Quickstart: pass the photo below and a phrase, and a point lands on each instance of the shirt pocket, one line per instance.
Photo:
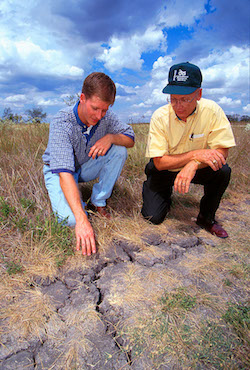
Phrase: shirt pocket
(197, 143)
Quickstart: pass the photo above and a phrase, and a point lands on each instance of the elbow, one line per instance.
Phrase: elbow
(131, 143)
(158, 164)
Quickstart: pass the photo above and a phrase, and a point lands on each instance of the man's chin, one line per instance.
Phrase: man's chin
(181, 115)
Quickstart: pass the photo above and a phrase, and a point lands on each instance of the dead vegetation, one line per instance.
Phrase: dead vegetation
(196, 312)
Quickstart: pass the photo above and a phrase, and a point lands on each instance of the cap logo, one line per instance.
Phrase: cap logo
(181, 76)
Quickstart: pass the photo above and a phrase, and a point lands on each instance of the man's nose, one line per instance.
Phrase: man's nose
(99, 115)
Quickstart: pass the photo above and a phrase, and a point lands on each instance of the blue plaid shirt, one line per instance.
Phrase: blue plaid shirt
(70, 139)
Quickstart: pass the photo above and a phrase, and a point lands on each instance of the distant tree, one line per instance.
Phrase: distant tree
(17, 118)
(36, 114)
(245, 118)
(7, 114)
(233, 117)
(72, 99)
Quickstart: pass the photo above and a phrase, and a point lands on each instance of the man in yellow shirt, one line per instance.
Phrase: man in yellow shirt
(188, 141)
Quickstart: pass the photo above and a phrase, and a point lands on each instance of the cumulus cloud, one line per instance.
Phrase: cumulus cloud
(228, 69)
(99, 20)
(226, 24)
(229, 102)
(31, 58)
(16, 99)
(126, 52)
(181, 12)
(246, 109)
(48, 47)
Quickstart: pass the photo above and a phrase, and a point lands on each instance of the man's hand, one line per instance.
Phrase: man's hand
(85, 238)
(101, 147)
(211, 157)
(83, 229)
(185, 176)
(215, 158)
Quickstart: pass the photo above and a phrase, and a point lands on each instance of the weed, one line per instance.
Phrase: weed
(217, 347)
(170, 327)
(238, 315)
(13, 268)
(227, 282)
(240, 270)
(180, 300)
(5, 209)
(27, 203)
(59, 237)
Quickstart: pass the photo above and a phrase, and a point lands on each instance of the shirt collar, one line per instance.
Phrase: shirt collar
(75, 110)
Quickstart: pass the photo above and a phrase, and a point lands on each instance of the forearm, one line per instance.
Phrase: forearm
(72, 195)
(205, 156)
(123, 140)
(172, 162)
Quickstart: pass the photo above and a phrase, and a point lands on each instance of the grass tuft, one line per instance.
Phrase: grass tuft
(178, 316)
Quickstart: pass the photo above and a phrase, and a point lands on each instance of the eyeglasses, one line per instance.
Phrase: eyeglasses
(182, 101)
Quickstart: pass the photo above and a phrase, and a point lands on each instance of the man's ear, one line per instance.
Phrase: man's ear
(82, 98)
(200, 94)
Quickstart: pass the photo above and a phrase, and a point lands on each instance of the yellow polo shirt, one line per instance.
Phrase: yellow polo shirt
(207, 128)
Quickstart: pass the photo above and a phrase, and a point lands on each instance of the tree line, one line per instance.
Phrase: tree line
(238, 118)
(36, 115)
(33, 115)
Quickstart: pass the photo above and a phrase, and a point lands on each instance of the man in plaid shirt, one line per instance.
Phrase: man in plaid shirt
(85, 142)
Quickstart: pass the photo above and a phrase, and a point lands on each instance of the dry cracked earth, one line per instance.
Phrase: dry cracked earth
(90, 302)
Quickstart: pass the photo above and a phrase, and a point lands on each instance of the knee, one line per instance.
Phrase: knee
(66, 220)
(154, 219)
(225, 173)
(120, 151)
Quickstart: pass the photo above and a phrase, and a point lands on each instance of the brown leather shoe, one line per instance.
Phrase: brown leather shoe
(214, 228)
(102, 211)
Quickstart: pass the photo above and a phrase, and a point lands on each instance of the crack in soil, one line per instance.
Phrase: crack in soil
(79, 290)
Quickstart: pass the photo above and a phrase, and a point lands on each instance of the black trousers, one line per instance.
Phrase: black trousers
(157, 191)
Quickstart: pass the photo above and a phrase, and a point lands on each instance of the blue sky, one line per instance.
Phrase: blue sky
(48, 47)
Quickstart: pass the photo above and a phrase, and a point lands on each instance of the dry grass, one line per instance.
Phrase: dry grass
(182, 309)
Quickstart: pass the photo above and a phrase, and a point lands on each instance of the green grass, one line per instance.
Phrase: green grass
(181, 325)
(171, 331)
(180, 300)
(238, 315)
(13, 267)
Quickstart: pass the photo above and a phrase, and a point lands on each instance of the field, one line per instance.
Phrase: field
(158, 297)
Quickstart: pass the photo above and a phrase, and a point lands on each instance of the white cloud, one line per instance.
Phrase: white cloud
(229, 68)
(126, 52)
(181, 12)
(16, 99)
(229, 102)
(246, 109)
(48, 102)
(32, 59)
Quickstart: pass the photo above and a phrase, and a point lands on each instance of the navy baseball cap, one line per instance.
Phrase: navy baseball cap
(183, 79)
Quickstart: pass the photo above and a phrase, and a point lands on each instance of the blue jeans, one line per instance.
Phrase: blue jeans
(107, 168)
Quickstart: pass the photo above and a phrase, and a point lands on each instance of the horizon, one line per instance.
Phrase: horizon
(48, 48)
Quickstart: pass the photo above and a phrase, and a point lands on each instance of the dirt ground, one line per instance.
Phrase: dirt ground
(113, 311)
